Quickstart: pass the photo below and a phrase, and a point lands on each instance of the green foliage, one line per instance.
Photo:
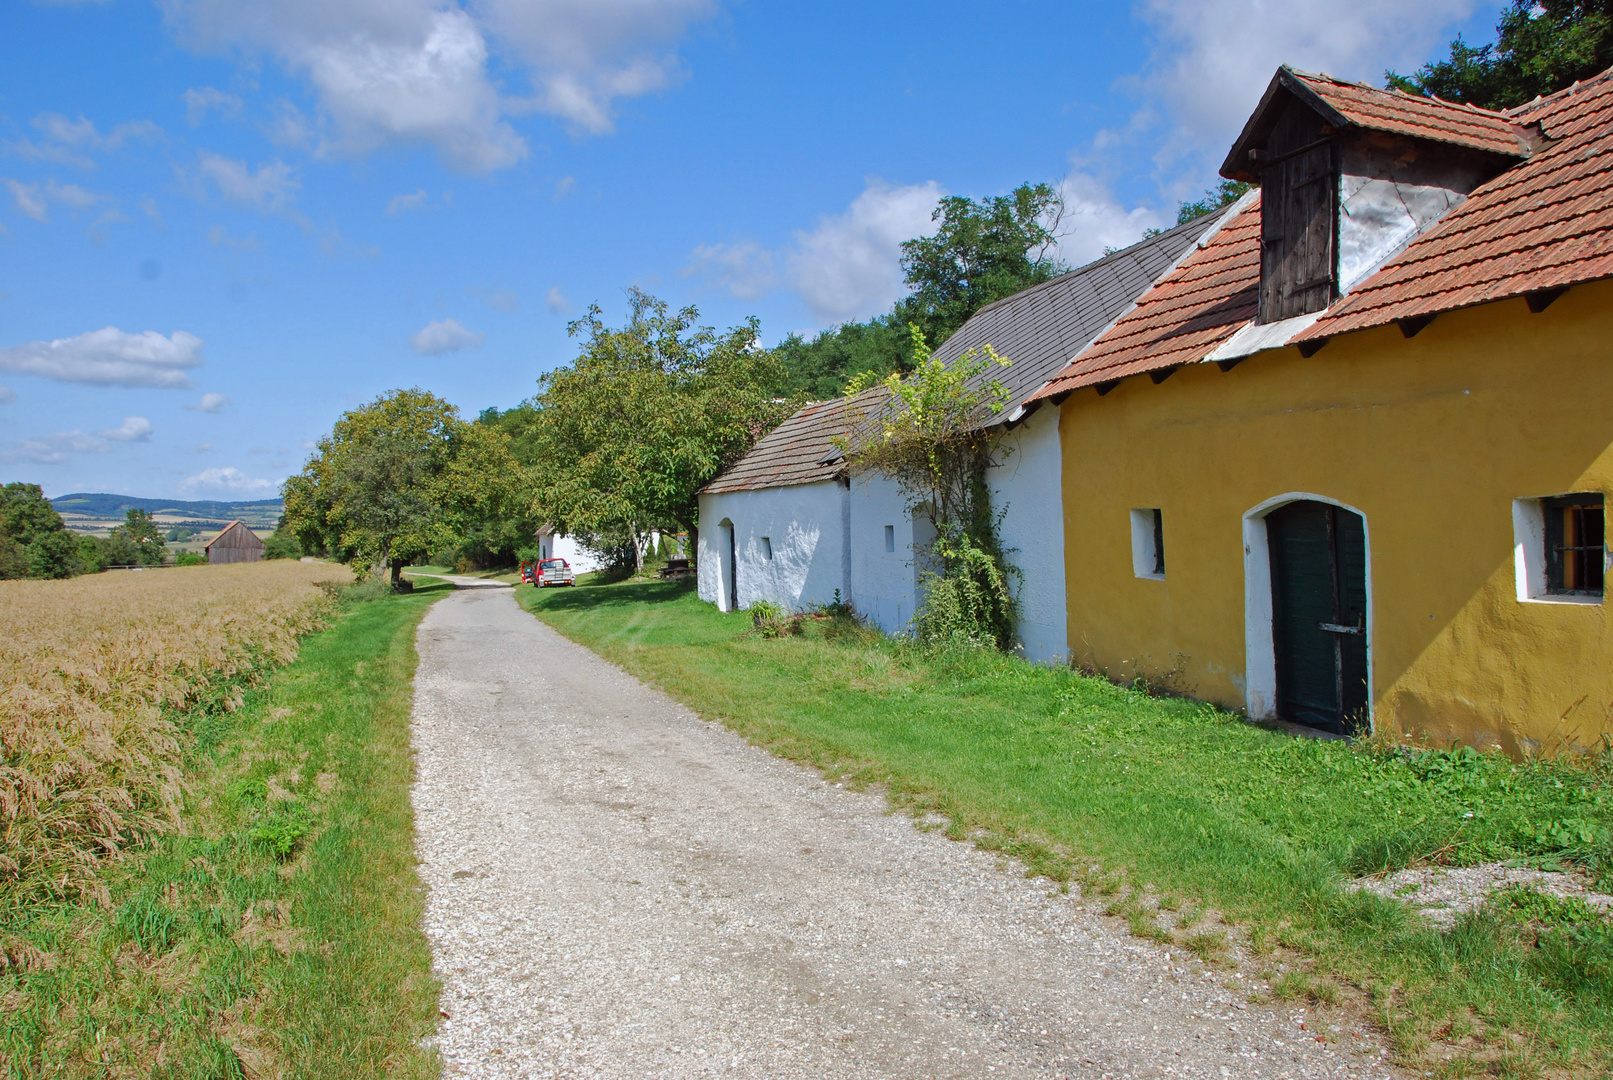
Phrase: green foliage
(140, 535)
(980, 252)
(402, 477)
(1225, 193)
(924, 431)
(34, 541)
(621, 440)
(282, 543)
(1540, 48)
(190, 558)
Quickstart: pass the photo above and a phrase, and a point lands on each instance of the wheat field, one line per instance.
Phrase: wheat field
(92, 669)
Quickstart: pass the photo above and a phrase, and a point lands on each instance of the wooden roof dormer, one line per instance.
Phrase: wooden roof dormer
(1349, 174)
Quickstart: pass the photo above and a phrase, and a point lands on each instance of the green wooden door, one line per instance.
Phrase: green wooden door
(1319, 608)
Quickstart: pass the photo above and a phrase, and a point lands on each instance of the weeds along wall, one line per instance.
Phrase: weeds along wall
(90, 671)
(1431, 439)
(784, 545)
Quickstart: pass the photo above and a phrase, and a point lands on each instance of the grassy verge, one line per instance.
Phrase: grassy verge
(278, 933)
(1201, 830)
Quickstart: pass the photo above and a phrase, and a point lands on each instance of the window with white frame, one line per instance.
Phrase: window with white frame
(1148, 544)
(1560, 547)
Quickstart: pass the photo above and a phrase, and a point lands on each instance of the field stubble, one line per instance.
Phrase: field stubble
(90, 670)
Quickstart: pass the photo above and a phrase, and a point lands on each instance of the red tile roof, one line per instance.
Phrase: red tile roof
(1541, 225)
(1187, 313)
(1544, 224)
(1419, 117)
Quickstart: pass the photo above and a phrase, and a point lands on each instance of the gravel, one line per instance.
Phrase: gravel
(618, 888)
(1441, 893)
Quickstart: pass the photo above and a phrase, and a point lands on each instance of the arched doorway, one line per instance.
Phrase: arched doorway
(1318, 568)
(730, 556)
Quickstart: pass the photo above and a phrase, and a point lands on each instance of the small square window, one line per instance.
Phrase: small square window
(1561, 547)
(1148, 544)
(890, 538)
(1576, 552)
(767, 548)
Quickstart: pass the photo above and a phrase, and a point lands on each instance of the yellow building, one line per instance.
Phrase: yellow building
(1363, 482)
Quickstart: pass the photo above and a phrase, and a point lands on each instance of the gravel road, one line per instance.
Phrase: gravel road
(618, 888)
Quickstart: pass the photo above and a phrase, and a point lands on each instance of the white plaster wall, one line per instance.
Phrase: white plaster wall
(804, 526)
(1026, 490)
(579, 558)
(882, 582)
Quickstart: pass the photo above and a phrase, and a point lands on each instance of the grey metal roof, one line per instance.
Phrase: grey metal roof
(1039, 330)
(1043, 327)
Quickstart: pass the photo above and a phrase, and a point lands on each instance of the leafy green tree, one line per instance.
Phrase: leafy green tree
(34, 541)
(620, 441)
(282, 543)
(1225, 193)
(923, 431)
(980, 252)
(140, 539)
(370, 492)
(1540, 48)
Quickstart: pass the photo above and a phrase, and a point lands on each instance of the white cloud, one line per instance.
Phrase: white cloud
(204, 448)
(506, 300)
(7, 395)
(563, 187)
(442, 336)
(1212, 58)
(556, 301)
(849, 267)
(226, 481)
(133, 429)
(29, 200)
(1094, 220)
(584, 54)
(109, 357)
(745, 270)
(417, 71)
(54, 449)
(402, 204)
(69, 142)
(200, 99)
(210, 403)
(269, 190)
(219, 236)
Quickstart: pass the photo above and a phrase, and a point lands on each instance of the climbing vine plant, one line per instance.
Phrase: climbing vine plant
(925, 431)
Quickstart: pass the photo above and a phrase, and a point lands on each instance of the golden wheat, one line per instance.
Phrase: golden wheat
(91, 669)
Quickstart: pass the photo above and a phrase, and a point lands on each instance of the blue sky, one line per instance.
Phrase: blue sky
(223, 222)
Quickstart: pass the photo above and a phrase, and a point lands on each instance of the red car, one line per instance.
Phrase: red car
(551, 572)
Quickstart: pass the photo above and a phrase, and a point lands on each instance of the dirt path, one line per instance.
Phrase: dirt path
(618, 888)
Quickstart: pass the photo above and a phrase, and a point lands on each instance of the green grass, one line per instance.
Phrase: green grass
(278, 935)
(1247, 833)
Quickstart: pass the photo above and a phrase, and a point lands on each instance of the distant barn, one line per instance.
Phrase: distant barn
(236, 543)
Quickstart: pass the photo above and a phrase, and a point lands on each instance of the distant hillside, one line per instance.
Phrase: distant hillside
(257, 513)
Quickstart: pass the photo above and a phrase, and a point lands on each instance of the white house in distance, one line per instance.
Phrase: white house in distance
(553, 545)
(788, 523)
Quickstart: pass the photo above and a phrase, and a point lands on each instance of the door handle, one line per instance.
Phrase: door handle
(1338, 628)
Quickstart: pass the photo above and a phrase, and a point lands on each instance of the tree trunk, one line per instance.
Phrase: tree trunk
(638, 554)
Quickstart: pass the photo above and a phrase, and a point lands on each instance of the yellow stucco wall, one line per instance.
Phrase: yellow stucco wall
(1431, 439)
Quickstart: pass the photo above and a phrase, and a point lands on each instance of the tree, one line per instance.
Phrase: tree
(139, 540)
(980, 252)
(1540, 48)
(924, 431)
(371, 492)
(621, 441)
(34, 541)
